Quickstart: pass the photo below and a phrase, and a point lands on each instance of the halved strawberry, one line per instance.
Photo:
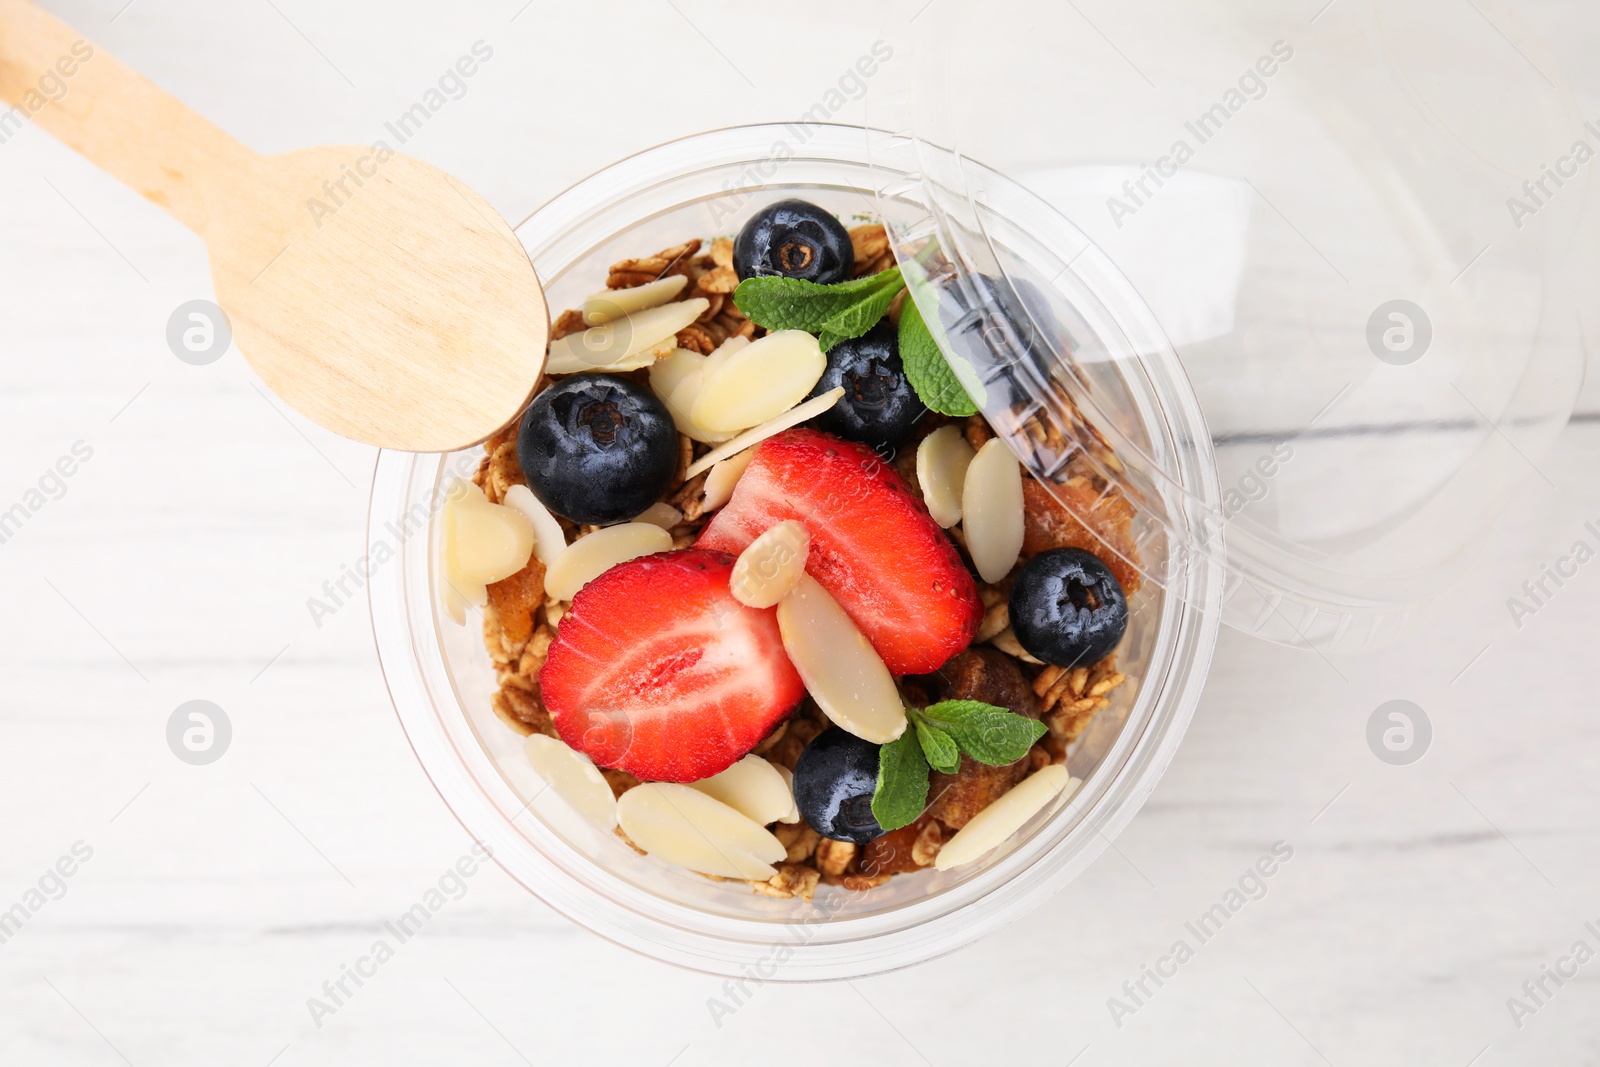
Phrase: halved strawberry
(657, 670)
(873, 545)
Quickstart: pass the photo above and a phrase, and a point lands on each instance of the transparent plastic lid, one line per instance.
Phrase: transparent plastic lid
(1360, 239)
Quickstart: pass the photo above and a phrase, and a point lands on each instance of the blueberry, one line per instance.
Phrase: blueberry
(833, 783)
(597, 448)
(795, 239)
(1067, 608)
(879, 408)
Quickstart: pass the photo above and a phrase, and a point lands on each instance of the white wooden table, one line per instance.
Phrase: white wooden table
(177, 561)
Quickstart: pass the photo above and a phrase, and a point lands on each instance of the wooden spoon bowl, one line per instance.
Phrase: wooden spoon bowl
(374, 293)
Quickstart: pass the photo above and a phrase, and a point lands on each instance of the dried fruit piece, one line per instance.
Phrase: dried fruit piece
(628, 343)
(843, 674)
(759, 381)
(942, 461)
(1004, 817)
(991, 510)
(593, 554)
(754, 788)
(721, 479)
(549, 540)
(574, 778)
(772, 565)
(679, 825)
(608, 305)
(481, 543)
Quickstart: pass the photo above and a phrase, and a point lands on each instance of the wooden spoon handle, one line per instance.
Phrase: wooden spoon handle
(122, 123)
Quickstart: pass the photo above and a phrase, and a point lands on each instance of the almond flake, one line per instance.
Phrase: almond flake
(676, 379)
(992, 516)
(628, 343)
(661, 514)
(1006, 816)
(758, 382)
(608, 305)
(754, 436)
(574, 778)
(793, 815)
(482, 542)
(839, 666)
(771, 565)
(942, 461)
(593, 554)
(752, 787)
(549, 540)
(723, 477)
(683, 826)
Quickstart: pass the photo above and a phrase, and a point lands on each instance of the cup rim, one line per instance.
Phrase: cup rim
(411, 658)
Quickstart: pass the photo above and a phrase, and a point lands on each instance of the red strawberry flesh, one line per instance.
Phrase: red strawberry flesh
(873, 545)
(658, 671)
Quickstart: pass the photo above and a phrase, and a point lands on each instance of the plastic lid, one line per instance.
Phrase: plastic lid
(1358, 242)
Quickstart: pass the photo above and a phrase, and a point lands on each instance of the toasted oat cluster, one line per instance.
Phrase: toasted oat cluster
(522, 619)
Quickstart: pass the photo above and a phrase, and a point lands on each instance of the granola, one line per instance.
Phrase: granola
(521, 621)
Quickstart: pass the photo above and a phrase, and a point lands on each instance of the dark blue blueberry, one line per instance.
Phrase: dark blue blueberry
(597, 448)
(879, 408)
(834, 779)
(1067, 608)
(795, 239)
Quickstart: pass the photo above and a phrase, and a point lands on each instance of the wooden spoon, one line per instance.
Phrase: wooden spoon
(374, 293)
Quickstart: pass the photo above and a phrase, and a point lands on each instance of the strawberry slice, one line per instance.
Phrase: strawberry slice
(658, 671)
(873, 545)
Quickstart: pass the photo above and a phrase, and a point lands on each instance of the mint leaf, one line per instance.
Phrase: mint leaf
(902, 788)
(987, 733)
(860, 317)
(937, 746)
(828, 340)
(845, 309)
(926, 368)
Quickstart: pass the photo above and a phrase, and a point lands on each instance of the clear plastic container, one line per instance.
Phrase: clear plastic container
(441, 678)
(1365, 228)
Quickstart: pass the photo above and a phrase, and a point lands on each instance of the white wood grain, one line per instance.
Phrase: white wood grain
(178, 563)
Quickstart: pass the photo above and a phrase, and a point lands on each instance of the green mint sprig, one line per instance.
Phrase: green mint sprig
(833, 312)
(849, 309)
(935, 737)
(926, 368)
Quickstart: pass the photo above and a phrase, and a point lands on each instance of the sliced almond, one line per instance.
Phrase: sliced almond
(723, 477)
(1006, 816)
(592, 555)
(793, 815)
(754, 436)
(549, 540)
(676, 380)
(661, 514)
(608, 305)
(628, 343)
(685, 827)
(574, 778)
(483, 542)
(752, 787)
(760, 381)
(720, 354)
(942, 461)
(992, 510)
(842, 672)
(771, 565)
